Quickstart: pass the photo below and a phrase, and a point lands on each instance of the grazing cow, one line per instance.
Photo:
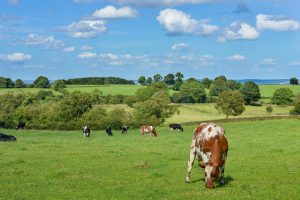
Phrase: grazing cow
(124, 129)
(209, 146)
(21, 125)
(175, 127)
(4, 137)
(2, 124)
(109, 131)
(86, 131)
(148, 129)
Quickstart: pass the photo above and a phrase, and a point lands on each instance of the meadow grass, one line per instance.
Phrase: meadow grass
(267, 91)
(32, 90)
(263, 163)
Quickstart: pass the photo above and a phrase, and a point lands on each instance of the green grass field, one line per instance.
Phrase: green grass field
(32, 90)
(263, 163)
(267, 91)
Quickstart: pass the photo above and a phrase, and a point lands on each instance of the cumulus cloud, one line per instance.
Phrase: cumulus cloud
(86, 48)
(15, 57)
(69, 49)
(177, 22)
(239, 31)
(236, 57)
(86, 28)
(180, 47)
(87, 55)
(154, 3)
(276, 23)
(84, 1)
(48, 42)
(110, 12)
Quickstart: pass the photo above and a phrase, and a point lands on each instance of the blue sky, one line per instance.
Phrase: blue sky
(129, 38)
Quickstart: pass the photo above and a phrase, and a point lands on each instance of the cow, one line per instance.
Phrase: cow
(2, 124)
(177, 127)
(210, 147)
(124, 129)
(108, 130)
(148, 129)
(21, 125)
(86, 131)
(4, 137)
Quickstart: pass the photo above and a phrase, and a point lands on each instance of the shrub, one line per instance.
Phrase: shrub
(282, 96)
(296, 109)
(269, 109)
(130, 100)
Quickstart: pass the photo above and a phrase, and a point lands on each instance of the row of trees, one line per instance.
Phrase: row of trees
(40, 82)
(97, 81)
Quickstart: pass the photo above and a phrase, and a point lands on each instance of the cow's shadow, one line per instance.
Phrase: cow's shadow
(228, 179)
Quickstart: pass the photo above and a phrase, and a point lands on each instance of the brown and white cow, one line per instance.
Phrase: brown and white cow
(209, 146)
(148, 129)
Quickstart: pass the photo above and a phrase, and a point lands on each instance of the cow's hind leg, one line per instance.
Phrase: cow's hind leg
(222, 169)
(191, 160)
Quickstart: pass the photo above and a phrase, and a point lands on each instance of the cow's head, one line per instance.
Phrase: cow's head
(211, 175)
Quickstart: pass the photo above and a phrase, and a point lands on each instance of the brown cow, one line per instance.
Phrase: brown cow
(148, 129)
(209, 146)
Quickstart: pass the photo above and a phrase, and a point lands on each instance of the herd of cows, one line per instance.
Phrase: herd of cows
(209, 146)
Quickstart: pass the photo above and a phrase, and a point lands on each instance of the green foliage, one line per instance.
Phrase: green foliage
(294, 81)
(177, 85)
(130, 100)
(149, 80)
(269, 109)
(179, 76)
(41, 82)
(169, 79)
(157, 78)
(19, 84)
(282, 96)
(146, 93)
(58, 85)
(250, 92)
(218, 86)
(98, 81)
(180, 97)
(6, 83)
(194, 90)
(142, 80)
(206, 82)
(233, 85)
(230, 102)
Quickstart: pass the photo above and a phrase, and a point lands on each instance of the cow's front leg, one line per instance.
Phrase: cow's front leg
(191, 160)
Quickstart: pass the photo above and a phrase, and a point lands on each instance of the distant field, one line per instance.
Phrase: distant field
(32, 90)
(268, 90)
(204, 112)
(263, 163)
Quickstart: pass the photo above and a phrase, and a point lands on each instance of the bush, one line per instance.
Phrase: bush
(296, 109)
(269, 109)
(282, 96)
(130, 100)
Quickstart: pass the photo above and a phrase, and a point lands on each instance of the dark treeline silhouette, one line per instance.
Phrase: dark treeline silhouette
(98, 81)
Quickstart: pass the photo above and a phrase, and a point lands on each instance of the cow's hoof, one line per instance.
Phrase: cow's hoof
(187, 179)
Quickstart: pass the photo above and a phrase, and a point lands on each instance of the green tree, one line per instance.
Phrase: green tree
(142, 80)
(157, 78)
(41, 82)
(206, 82)
(19, 84)
(177, 85)
(169, 79)
(6, 83)
(218, 86)
(294, 81)
(58, 85)
(233, 85)
(194, 89)
(230, 102)
(179, 76)
(149, 80)
(130, 100)
(143, 94)
(282, 96)
(250, 92)
(296, 109)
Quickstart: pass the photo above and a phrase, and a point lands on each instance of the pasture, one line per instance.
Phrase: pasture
(263, 163)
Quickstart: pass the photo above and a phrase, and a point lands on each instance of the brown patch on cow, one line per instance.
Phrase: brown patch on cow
(209, 129)
(199, 129)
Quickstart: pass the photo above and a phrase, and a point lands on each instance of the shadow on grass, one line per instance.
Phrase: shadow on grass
(228, 179)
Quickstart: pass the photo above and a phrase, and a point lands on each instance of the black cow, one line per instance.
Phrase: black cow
(125, 129)
(2, 124)
(21, 125)
(4, 137)
(109, 131)
(175, 127)
(86, 131)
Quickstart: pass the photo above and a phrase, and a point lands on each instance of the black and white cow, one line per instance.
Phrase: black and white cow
(4, 137)
(175, 127)
(2, 124)
(125, 129)
(86, 131)
(21, 125)
(108, 130)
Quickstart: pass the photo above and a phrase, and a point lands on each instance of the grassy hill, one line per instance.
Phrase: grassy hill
(263, 163)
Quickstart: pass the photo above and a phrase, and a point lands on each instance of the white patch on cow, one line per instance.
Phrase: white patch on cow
(208, 170)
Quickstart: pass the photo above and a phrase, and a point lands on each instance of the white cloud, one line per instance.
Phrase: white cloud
(86, 28)
(268, 61)
(87, 55)
(180, 47)
(236, 57)
(109, 56)
(276, 23)
(110, 12)
(177, 22)
(86, 48)
(14, 2)
(84, 1)
(69, 49)
(48, 42)
(15, 57)
(152, 3)
(239, 31)
(294, 63)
